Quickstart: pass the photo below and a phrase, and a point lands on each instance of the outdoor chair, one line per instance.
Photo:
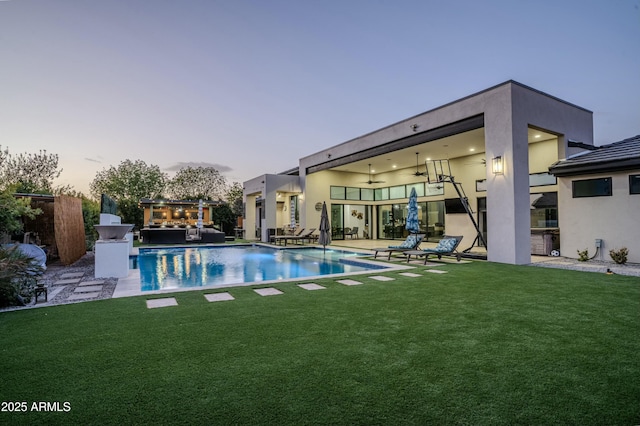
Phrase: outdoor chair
(412, 242)
(353, 231)
(299, 233)
(447, 246)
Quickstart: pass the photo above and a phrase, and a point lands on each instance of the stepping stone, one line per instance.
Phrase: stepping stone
(382, 278)
(410, 274)
(94, 282)
(87, 288)
(161, 303)
(436, 271)
(68, 281)
(267, 291)
(349, 282)
(311, 286)
(219, 297)
(80, 296)
(69, 275)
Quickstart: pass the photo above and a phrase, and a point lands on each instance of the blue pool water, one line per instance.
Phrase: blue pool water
(175, 268)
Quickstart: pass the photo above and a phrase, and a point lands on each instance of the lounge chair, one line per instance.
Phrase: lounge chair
(301, 236)
(447, 246)
(412, 242)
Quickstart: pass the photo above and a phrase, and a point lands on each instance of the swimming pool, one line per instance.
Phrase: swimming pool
(189, 267)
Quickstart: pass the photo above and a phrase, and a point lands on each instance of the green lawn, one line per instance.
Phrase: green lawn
(483, 344)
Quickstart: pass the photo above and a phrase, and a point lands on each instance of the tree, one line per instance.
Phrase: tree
(127, 184)
(130, 180)
(29, 173)
(12, 209)
(234, 198)
(192, 183)
(224, 216)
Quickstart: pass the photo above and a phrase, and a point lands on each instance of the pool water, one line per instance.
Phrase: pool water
(176, 268)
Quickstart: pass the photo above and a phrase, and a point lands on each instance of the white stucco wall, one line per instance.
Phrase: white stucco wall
(611, 219)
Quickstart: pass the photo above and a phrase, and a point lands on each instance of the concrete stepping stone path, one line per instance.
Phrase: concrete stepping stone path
(161, 303)
(382, 278)
(270, 291)
(219, 297)
(311, 286)
(82, 296)
(410, 274)
(349, 282)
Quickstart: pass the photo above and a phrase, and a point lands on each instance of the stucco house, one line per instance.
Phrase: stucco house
(494, 149)
(599, 200)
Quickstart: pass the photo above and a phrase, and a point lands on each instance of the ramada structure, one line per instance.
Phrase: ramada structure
(524, 163)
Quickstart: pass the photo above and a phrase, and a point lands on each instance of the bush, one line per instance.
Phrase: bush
(583, 255)
(18, 276)
(619, 256)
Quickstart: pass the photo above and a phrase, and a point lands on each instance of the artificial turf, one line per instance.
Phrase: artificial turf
(484, 343)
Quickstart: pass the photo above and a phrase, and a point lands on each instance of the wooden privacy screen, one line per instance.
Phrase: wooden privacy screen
(69, 228)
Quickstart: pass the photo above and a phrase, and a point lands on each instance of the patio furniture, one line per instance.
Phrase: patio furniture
(412, 242)
(447, 246)
(305, 235)
(353, 231)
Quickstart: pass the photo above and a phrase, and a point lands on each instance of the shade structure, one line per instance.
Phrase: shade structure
(199, 223)
(325, 227)
(413, 226)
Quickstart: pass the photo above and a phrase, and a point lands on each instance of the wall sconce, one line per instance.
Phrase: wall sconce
(496, 166)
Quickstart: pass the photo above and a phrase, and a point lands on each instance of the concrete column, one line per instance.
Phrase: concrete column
(508, 215)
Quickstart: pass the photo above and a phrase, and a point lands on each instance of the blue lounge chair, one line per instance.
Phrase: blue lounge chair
(412, 242)
(447, 246)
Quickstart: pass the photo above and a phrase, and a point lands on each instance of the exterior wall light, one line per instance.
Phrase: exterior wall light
(497, 167)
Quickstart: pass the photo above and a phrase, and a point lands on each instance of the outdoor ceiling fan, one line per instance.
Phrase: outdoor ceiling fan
(418, 172)
(372, 181)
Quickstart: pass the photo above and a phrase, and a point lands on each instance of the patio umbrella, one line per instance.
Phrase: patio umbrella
(412, 217)
(199, 224)
(325, 227)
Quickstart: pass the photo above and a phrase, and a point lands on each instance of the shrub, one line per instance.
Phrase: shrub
(18, 276)
(619, 256)
(583, 255)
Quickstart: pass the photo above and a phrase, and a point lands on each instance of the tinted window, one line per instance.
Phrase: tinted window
(592, 188)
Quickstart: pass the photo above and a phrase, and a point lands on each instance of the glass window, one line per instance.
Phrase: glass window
(434, 189)
(337, 192)
(544, 210)
(419, 189)
(541, 179)
(353, 193)
(366, 194)
(381, 194)
(592, 188)
(397, 192)
(337, 220)
(634, 184)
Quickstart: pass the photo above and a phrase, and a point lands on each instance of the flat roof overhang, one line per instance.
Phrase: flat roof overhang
(471, 123)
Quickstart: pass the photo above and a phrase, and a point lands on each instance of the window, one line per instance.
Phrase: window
(634, 184)
(397, 192)
(366, 194)
(353, 193)
(419, 189)
(544, 210)
(337, 193)
(381, 194)
(592, 188)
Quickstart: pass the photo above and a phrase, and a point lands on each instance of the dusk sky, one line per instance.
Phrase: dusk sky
(249, 87)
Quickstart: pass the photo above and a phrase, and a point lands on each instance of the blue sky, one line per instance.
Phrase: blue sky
(249, 87)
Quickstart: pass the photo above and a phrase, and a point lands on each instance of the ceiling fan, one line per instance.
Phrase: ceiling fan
(372, 181)
(417, 172)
